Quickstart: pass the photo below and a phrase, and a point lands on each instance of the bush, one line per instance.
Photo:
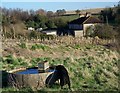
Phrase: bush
(89, 31)
(33, 34)
(102, 31)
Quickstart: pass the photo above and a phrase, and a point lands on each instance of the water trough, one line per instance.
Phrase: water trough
(34, 78)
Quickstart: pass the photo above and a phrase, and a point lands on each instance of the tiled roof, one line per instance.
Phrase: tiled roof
(92, 20)
(79, 20)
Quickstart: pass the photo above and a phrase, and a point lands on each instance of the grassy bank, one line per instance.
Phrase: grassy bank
(91, 67)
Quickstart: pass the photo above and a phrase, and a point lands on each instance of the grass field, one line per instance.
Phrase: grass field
(91, 67)
(69, 18)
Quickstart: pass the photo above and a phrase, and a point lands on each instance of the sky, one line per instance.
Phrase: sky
(53, 6)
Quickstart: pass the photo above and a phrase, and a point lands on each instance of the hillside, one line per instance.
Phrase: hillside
(92, 11)
(91, 67)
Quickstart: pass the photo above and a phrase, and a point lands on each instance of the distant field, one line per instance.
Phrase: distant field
(69, 17)
(92, 11)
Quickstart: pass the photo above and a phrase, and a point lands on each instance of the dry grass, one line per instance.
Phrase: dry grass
(90, 66)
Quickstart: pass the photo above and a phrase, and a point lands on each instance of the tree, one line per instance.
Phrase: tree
(60, 23)
(78, 11)
(50, 13)
(30, 24)
(107, 15)
(41, 12)
(117, 13)
(60, 12)
(50, 24)
(40, 20)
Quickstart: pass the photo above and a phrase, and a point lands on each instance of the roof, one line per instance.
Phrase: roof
(86, 20)
(79, 20)
(92, 20)
(42, 62)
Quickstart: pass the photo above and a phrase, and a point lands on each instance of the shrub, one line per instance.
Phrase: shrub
(34, 34)
(102, 31)
(89, 31)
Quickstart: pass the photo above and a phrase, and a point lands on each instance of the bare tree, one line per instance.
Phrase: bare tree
(78, 11)
(41, 12)
(50, 13)
(60, 12)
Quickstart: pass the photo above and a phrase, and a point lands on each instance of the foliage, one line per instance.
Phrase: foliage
(34, 34)
(50, 13)
(107, 14)
(38, 46)
(102, 31)
(77, 11)
(12, 62)
(60, 12)
(30, 23)
(89, 31)
(111, 15)
(60, 23)
(38, 21)
(50, 24)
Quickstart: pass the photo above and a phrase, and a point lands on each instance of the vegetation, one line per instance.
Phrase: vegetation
(91, 66)
(78, 11)
(10, 62)
(111, 15)
(38, 46)
(92, 71)
(102, 31)
(23, 45)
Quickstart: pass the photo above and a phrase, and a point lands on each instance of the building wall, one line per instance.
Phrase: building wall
(51, 33)
(78, 33)
(85, 26)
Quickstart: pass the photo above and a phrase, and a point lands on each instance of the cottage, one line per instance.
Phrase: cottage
(81, 24)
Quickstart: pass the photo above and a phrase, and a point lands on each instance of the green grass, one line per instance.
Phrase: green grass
(23, 45)
(39, 46)
(10, 62)
(87, 72)
(69, 18)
